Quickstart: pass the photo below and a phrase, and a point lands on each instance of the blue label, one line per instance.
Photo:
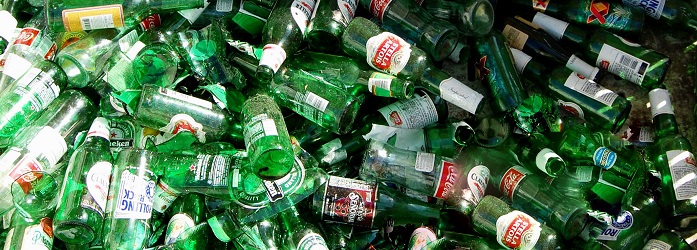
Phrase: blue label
(623, 221)
(604, 158)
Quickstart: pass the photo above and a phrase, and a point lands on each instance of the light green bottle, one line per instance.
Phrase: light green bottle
(266, 138)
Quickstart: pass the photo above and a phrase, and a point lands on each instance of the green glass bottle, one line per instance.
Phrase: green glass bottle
(665, 239)
(266, 138)
(594, 13)
(28, 96)
(460, 241)
(298, 233)
(527, 191)
(187, 212)
(365, 204)
(91, 15)
(84, 60)
(673, 13)
(511, 228)
(129, 210)
(471, 17)
(389, 53)
(80, 214)
(328, 24)
(496, 70)
(534, 152)
(672, 157)
(28, 233)
(283, 35)
(567, 34)
(600, 106)
(45, 140)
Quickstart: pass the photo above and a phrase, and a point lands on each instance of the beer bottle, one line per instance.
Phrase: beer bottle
(666, 239)
(299, 233)
(328, 24)
(673, 13)
(472, 17)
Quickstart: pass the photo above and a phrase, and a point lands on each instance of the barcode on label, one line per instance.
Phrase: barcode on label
(223, 5)
(316, 101)
(628, 61)
(97, 22)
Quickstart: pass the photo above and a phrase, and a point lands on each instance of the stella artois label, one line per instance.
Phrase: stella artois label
(387, 52)
(517, 230)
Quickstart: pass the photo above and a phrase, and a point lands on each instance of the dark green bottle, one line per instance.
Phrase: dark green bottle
(598, 105)
(472, 17)
(283, 35)
(328, 24)
(389, 53)
(670, 12)
(665, 239)
(672, 157)
(496, 70)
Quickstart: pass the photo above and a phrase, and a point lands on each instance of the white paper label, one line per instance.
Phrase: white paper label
(581, 67)
(683, 171)
(180, 123)
(330, 146)
(660, 102)
(520, 59)
(100, 128)
(312, 241)
(590, 89)
(335, 156)
(38, 237)
(97, 22)
(417, 112)
(380, 86)
(620, 223)
(652, 8)
(186, 98)
(459, 94)
(554, 27)
(98, 179)
(176, 226)
(272, 56)
(655, 244)
(316, 101)
(164, 196)
(424, 162)
(15, 66)
(409, 139)
(41, 84)
(584, 173)
(477, 181)
(348, 10)
(543, 157)
(192, 14)
(517, 230)
(302, 11)
(224, 5)
(622, 64)
(49, 143)
(259, 126)
(135, 197)
(421, 237)
(387, 52)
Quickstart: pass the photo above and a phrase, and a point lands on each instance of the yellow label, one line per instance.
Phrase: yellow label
(90, 18)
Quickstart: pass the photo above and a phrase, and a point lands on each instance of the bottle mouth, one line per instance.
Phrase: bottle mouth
(479, 19)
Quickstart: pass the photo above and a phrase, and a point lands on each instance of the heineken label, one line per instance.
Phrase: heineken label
(517, 230)
(622, 222)
(604, 157)
(660, 102)
(551, 25)
(135, 197)
(312, 241)
(590, 89)
(349, 201)
(177, 225)
(449, 175)
(682, 169)
(477, 181)
(620, 63)
(388, 53)
(378, 8)
(273, 191)
(97, 182)
(511, 179)
(38, 237)
(302, 11)
(652, 8)
(347, 9)
(417, 112)
(421, 237)
(654, 244)
(121, 135)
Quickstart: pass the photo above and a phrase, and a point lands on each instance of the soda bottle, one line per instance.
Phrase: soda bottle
(28, 96)
(672, 157)
(328, 24)
(80, 214)
(389, 53)
(129, 210)
(472, 17)
(280, 38)
(33, 44)
(666, 239)
(589, 100)
(266, 138)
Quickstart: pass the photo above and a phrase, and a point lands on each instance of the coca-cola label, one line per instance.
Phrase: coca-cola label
(151, 22)
(449, 175)
(517, 230)
(347, 9)
(22, 169)
(378, 7)
(510, 180)
(349, 201)
(477, 181)
(387, 52)
(27, 36)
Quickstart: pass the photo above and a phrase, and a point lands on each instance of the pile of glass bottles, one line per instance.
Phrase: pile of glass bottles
(308, 124)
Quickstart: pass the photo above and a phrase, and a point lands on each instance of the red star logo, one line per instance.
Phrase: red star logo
(192, 167)
(599, 9)
(482, 70)
(113, 135)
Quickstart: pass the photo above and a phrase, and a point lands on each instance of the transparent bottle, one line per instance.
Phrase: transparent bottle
(84, 60)
(33, 44)
(27, 233)
(299, 233)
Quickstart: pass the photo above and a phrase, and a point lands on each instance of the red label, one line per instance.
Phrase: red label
(383, 56)
(378, 7)
(604, 64)
(47, 226)
(396, 118)
(24, 166)
(448, 177)
(599, 9)
(482, 70)
(27, 36)
(510, 181)
(51, 52)
(349, 201)
(151, 22)
(515, 230)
